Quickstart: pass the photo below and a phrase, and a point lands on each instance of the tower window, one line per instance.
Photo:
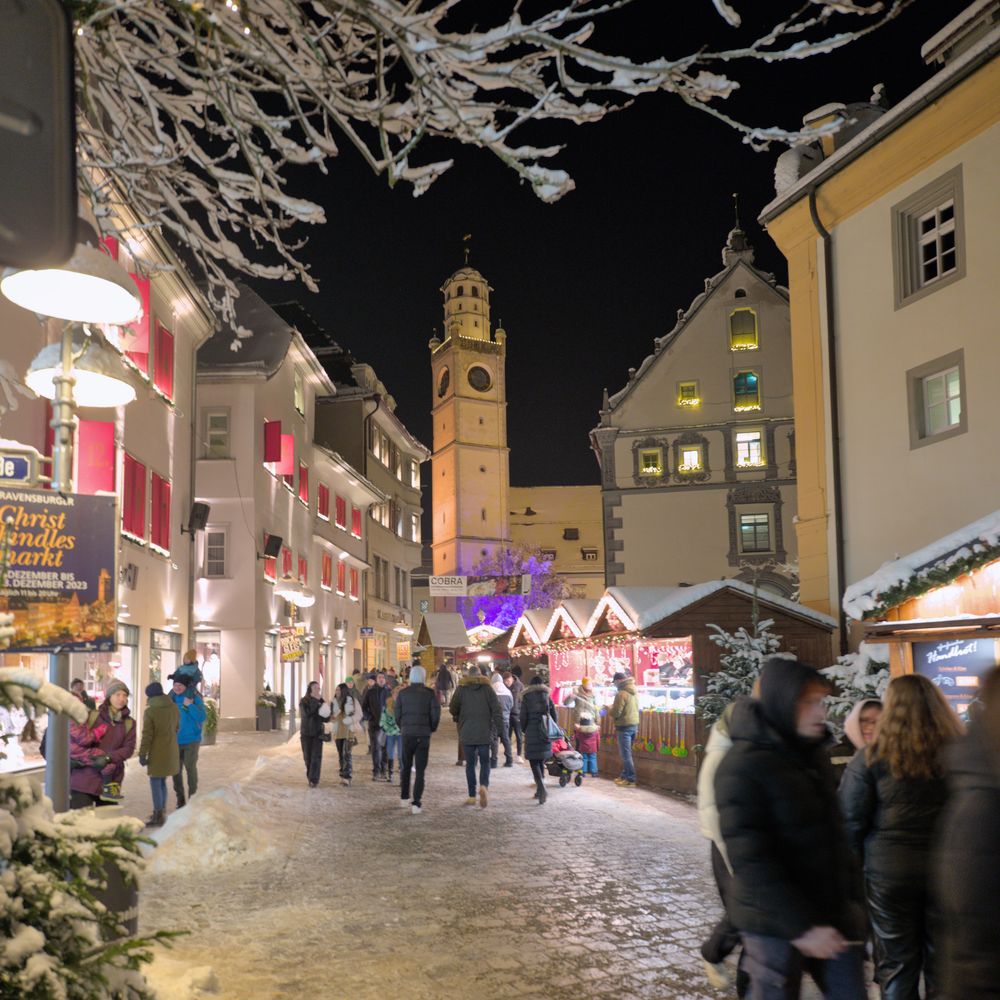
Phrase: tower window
(475, 292)
(484, 513)
(571, 534)
(482, 468)
(461, 290)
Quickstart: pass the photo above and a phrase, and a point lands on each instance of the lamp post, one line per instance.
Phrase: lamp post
(94, 289)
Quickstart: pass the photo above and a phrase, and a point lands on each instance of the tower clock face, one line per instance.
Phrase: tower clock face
(480, 378)
(444, 380)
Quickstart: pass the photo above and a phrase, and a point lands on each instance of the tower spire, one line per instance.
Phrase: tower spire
(737, 247)
(467, 240)
(736, 209)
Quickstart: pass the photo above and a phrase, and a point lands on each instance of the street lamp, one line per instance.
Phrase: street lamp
(295, 592)
(89, 288)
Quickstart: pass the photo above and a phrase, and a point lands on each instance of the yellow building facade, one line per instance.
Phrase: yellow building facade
(892, 258)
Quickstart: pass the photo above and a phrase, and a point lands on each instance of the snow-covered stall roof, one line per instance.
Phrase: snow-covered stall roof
(575, 613)
(934, 565)
(642, 607)
(443, 628)
(531, 626)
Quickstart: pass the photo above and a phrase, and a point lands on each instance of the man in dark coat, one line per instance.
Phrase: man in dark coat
(516, 688)
(417, 715)
(372, 703)
(796, 894)
(476, 709)
(443, 683)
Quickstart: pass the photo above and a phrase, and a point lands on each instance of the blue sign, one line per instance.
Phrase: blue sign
(367, 630)
(956, 667)
(16, 468)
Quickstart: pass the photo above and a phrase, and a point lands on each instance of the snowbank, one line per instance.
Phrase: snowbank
(175, 979)
(214, 830)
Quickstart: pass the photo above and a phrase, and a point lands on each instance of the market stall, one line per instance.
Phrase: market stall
(938, 610)
(443, 636)
(661, 636)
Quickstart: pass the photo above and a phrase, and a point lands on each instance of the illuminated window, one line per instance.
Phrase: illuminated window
(323, 502)
(743, 329)
(690, 458)
(746, 391)
(755, 533)
(326, 572)
(215, 552)
(749, 449)
(650, 461)
(299, 394)
(687, 394)
(217, 433)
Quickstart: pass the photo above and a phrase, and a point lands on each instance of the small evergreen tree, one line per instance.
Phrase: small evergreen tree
(744, 654)
(857, 677)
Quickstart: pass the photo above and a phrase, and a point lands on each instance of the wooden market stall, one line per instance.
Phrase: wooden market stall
(661, 636)
(938, 610)
(443, 636)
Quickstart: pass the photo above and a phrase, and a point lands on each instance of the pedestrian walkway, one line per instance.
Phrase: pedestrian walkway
(289, 891)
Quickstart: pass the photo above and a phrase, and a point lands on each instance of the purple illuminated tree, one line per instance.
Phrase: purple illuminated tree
(502, 611)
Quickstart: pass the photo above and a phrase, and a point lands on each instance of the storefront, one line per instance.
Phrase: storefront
(662, 637)
(164, 654)
(938, 611)
(98, 670)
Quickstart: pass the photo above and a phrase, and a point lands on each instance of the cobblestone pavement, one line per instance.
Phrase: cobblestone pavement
(602, 892)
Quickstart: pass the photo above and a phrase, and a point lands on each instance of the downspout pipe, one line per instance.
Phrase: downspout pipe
(834, 390)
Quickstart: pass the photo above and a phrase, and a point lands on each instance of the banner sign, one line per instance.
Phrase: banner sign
(956, 666)
(402, 650)
(479, 586)
(290, 642)
(58, 570)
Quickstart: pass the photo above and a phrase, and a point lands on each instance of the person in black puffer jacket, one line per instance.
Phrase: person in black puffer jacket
(476, 709)
(966, 873)
(796, 891)
(536, 705)
(311, 731)
(417, 714)
(893, 794)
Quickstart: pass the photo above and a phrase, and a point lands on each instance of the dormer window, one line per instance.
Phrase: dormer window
(743, 330)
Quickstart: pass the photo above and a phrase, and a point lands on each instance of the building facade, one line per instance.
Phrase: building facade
(697, 452)
(564, 524)
(265, 478)
(359, 421)
(890, 235)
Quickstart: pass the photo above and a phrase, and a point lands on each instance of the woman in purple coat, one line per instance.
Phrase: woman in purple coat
(98, 749)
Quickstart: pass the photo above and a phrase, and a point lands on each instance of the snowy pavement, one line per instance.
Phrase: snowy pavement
(291, 892)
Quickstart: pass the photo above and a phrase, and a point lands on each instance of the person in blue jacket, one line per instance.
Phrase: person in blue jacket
(191, 706)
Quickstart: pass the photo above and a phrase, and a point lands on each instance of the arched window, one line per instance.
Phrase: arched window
(746, 391)
(461, 289)
(475, 292)
(743, 330)
(740, 293)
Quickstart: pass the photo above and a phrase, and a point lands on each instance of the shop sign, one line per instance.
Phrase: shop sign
(956, 667)
(58, 572)
(402, 650)
(290, 642)
(447, 586)
(366, 631)
(479, 586)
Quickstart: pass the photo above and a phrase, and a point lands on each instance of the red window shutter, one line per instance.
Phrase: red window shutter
(136, 335)
(286, 465)
(272, 440)
(163, 361)
(327, 576)
(341, 577)
(270, 563)
(159, 529)
(303, 570)
(95, 456)
(356, 521)
(323, 501)
(354, 583)
(286, 561)
(341, 512)
(304, 484)
(134, 498)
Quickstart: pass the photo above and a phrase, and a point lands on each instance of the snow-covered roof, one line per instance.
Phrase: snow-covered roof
(443, 628)
(575, 612)
(531, 625)
(643, 607)
(932, 566)
(263, 352)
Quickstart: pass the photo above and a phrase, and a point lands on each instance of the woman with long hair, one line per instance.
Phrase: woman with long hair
(344, 713)
(536, 709)
(967, 876)
(311, 731)
(892, 796)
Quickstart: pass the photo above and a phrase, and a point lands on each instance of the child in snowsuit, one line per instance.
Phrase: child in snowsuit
(393, 735)
(586, 736)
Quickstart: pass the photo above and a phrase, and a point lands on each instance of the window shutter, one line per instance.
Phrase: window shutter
(286, 562)
(354, 583)
(110, 246)
(304, 484)
(159, 531)
(341, 512)
(356, 521)
(272, 440)
(270, 563)
(323, 501)
(134, 497)
(341, 576)
(286, 465)
(95, 456)
(136, 337)
(163, 361)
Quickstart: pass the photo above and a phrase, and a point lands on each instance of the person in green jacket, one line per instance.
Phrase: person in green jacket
(625, 713)
(393, 736)
(158, 751)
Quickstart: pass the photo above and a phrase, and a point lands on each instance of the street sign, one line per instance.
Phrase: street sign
(367, 631)
(18, 464)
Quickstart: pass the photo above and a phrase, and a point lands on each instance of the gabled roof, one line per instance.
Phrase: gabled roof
(685, 317)
(531, 625)
(261, 353)
(575, 613)
(443, 628)
(934, 565)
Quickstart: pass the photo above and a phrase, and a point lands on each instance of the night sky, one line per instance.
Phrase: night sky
(582, 287)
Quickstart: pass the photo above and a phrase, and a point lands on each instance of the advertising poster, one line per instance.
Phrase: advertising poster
(955, 666)
(290, 642)
(479, 586)
(58, 570)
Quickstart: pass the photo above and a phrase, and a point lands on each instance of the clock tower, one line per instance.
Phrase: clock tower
(470, 474)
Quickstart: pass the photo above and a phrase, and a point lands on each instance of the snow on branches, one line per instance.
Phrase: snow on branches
(191, 112)
(18, 686)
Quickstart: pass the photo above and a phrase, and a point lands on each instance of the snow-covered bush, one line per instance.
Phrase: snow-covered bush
(857, 677)
(744, 654)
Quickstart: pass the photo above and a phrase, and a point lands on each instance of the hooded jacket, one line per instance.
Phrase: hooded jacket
(852, 724)
(505, 698)
(625, 707)
(719, 744)
(583, 701)
(476, 709)
(192, 716)
(966, 873)
(418, 711)
(535, 705)
(780, 819)
(100, 736)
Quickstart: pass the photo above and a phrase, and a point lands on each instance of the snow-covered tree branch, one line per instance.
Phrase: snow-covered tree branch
(192, 111)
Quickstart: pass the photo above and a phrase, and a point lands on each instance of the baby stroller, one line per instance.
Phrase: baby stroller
(566, 764)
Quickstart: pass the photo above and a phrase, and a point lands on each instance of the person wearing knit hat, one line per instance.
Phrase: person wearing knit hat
(158, 752)
(417, 713)
(99, 748)
(586, 736)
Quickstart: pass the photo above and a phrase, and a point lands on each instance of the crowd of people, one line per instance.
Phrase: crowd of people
(898, 861)
(171, 738)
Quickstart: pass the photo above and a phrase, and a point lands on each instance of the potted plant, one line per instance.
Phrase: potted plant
(278, 710)
(211, 726)
(265, 717)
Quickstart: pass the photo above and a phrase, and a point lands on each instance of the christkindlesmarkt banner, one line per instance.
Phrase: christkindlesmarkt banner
(58, 568)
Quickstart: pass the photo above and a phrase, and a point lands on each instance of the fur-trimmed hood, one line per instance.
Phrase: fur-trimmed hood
(580, 728)
(473, 680)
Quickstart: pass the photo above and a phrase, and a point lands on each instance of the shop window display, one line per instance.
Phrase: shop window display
(164, 654)
(209, 647)
(22, 734)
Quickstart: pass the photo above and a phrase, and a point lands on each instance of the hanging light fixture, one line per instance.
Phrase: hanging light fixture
(100, 378)
(89, 288)
(291, 590)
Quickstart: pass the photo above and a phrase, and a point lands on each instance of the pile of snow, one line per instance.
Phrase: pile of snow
(174, 979)
(213, 831)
